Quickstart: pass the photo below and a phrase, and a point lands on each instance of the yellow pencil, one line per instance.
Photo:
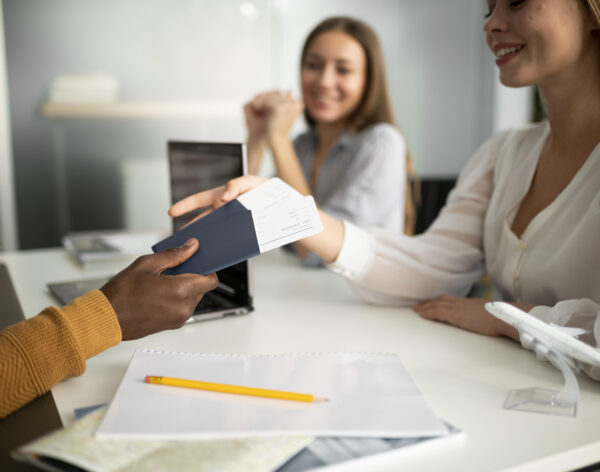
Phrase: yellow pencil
(235, 389)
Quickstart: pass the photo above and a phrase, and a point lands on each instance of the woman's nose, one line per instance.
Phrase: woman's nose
(497, 21)
(327, 76)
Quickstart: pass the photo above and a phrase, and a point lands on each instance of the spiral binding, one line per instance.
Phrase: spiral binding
(263, 356)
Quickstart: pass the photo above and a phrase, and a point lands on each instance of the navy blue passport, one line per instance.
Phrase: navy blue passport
(226, 237)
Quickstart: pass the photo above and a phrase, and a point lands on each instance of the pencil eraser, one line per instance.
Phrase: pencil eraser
(147, 379)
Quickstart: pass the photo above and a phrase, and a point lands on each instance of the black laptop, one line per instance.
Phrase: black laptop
(193, 167)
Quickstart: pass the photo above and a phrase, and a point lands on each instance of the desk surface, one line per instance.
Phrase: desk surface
(464, 376)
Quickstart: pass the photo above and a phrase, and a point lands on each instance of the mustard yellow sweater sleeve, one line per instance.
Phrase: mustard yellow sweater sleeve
(37, 353)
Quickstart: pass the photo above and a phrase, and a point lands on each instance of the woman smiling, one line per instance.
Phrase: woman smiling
(526, 209)
(353, 159)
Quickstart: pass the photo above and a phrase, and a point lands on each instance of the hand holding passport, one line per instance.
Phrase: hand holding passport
(267, 217)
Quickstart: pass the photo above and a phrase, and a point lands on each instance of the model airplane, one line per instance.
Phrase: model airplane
(552, 337)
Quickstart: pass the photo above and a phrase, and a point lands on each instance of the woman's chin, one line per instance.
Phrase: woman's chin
(514, 81)
(322, 116)
(324, 113)
(327, 118)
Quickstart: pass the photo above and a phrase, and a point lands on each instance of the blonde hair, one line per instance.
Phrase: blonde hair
(375, 106)
(594, 6)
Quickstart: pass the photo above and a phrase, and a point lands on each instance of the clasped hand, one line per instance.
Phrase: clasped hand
(271, 115)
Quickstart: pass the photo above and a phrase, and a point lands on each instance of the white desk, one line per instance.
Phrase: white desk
(464, 376)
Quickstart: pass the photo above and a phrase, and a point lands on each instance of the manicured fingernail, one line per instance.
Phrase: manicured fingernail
(189, 242)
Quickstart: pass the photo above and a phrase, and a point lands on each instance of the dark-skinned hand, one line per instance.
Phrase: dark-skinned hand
(147, 302)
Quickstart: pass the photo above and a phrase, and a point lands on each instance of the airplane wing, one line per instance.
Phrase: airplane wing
(555, 338)
(569, 330)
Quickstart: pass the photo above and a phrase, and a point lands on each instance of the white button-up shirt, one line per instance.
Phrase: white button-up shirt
(554, 264)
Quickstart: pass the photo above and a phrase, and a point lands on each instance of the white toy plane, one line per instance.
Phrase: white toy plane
(554, 338)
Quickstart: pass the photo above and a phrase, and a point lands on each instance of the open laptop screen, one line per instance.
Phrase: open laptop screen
(200, 166)
(197, 166)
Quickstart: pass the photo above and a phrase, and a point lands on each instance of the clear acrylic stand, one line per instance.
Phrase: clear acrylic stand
(542, 400)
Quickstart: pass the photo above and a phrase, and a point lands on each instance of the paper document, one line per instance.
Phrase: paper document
(285, 224)
(97, 246)
(272, 193)
(267, 217)
(370, 395)
(76, 446)
(331, 453)
(281, 214)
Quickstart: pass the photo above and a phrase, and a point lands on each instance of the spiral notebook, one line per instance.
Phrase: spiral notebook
(370, 395)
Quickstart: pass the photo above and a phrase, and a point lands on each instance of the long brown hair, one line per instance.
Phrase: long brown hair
(594, 6)
(375, 106)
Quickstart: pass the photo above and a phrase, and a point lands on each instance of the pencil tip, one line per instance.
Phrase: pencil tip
(319, 399)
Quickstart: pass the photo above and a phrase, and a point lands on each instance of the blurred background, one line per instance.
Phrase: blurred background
(91, 90)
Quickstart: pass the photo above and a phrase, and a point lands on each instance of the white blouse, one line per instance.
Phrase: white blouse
(555, 264)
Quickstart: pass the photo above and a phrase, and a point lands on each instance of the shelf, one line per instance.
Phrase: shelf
(163, 109)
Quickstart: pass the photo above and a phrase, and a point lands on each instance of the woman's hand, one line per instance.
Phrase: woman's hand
(216, 197)
(279, 111)
(326, 244)
(257, 114)
(466, 313)
(283, 110)
(269, 118)
(271, 115)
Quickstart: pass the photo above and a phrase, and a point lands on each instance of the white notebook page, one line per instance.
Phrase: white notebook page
(371, 395)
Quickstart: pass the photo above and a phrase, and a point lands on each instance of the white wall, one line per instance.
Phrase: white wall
(513, 107)
(440, 73)
(438, 67)
(159, 50)
(146, 206)
(8, 222)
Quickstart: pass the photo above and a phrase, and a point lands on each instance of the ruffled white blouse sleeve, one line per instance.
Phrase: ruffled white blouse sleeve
(448, 258)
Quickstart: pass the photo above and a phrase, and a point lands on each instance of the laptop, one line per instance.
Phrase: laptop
(193, 167)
